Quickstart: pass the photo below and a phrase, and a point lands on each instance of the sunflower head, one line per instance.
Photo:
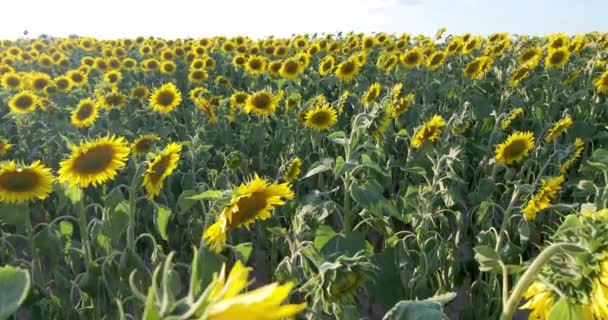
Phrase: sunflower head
(372, 93)
(291, 69)
(4, 146)
(256, 65)
(327, 65)
(139, 93)
(238, 99)
(293, 170)
(24, 102)
(515, 148)
(435, 60)
(601, 84)
(12, 81)
(20, 183)
(412, 58)
(557, 58)
(320, 118)
(85, 113)
(430, 131)
(348, 69)
(166, 98)
(262, 103)
(160, 168)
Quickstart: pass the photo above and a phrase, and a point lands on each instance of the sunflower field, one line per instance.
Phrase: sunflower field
(333, 176)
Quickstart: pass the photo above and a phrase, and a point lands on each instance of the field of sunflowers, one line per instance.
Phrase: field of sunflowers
(338, 176)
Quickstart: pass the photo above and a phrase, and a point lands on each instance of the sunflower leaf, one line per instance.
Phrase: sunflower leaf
(162, 221)
(14, 285)
(207, 195)
(319, 167)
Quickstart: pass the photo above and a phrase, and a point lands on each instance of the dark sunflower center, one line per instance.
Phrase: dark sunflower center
(62, 84)
(77, 77)
(255, 64)
(320, 118)
(249, 208)
(169, 67)
(348, 67)
(39, 84)
(112, 77)
(291, 67)
(514, 149)
(152, 65)
(472, 67)
(197, 75)
(240, 98)
(159, 168)
(436, 59)
(165, 98)
(94, 160)
(114, 99)
(412, 58)
(45, 62)
(471, 45)
(239, 60)
(22, 181)
(24, 102)
(144, 146)
(528, 55)
(129, 64)
(139, 92)
(557, 57)
(261, 101)
(13, 82)
(84, 111)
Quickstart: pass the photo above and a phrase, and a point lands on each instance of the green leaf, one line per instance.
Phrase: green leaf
(14, 286)
(566, 310)
(243, 251)
(150, 311)
(14, 214)
(162, 220)
(73, 193)
(367, 194)
(415, 310)
(383, 288)
(323, 234)
(207, 195)
(599, 159)
(318, 167)
(184, 203)
(488, 258)
(347, 244)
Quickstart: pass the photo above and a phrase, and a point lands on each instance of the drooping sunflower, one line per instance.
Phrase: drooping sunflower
(262, 103)
(399, 106)
(24, 102)
(543, 197)
(348, 69)
(412, 58)
(256, 65)
(387, 62)
(430, 131)
(320, 118)
(291, 69)
(4, 146)
(601, 84)
(94, 162)
(519, 74)
(264, 303)
(540, 301)
(160, 168)
(166, 98)
(579, 147)
(20, 183)
(515, 148)
(514, 114)
(557, 58)
(435, 60)
(326, 65)
(85, 113)
(293, 170)
(558, 128)
(144, 144)
(477, 68)
(251, 202)
(371, 94)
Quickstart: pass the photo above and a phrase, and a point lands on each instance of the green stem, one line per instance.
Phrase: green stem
(132, 212)
(84, 233)
(346, 221)
(530, 275)
(36, 269)
(506, 219)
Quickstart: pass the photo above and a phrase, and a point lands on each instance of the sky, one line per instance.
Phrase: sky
(260, 18)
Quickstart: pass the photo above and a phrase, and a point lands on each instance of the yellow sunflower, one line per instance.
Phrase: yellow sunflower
(515, 148)
(293, 170)
(12, 81)
(77, 77)
(111, 99)
(348, 69)
(540, 300)
(531, 55)
(322, 117)
(262, 103)
(327, 65)
(579, 147)
(291, 69)
(601, 84)
(430, 131)
(264, 303)
(94, 162)
(519, 74)
(112, 77)
(435, 60)
(85, 113)
(19, 183)
(168, 67)
(63, 84)
(251, 202)
(38, 81)
(165, 98)
(599, 297)
(514, 114)
(372, 93)
(542, 199)
(150, 65)
(557, 58)
(477, 68)
(238, 99)
(398, 106)
(144, 144)
(4, 146)
(256, 65)
(412, 58)
(239, 60)
(558, 128)
(160, 168)
(139, 93)
(197, 75)
(24, 102)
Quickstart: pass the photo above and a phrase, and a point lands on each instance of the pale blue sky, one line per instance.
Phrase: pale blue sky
(180, 18)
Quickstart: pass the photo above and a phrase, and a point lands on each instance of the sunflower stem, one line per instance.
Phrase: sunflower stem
(530, 275)
(36, 269)
(132, 211)
(84, 233)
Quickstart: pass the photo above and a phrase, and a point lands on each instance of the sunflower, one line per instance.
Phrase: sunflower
(256, 65)
(387, 62)
(514, 114)
(558, 128)
(19, 183)
(291, 69)
(144, 144)
(160, 168)
(262, 103)
(579, 147)
(4, 146)
(150, 65)
(77, 77)
(519, 74)
(111, 99)
(599, 295)
(455, 46)
(515, 148)
(197, 75)
(540, 301)
(239, 60)
(570, 78)
(129, 64)
(531, 55)
(471, 45)
(372, 93)
(557, 58)
(85, 113)
(139, 92)
(24, 102)
(477, 68)
(430, 131)
(412, 58)
(227, 301)
(38, 81)
(12, 81)
(348, 69)
(250, 202)
(94, 162)
(168, 67)
(542, 199)
(326, 65)
(601, 84)
(63, 84)
(112, 77)
(322, 117)
(238, 99)
(435, 60)
(293, 170)
(165, 98)
(399, 106)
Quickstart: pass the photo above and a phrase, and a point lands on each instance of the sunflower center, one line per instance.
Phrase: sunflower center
(165, 98)
(24, 102)
(169, 67)
(112, 77)
(84, 111)
(411, 58)
(139, 92)
(77, 77)
(19, 181)
(261, 101)
(159, 168)
(528, 55)
(62, 84)
(473, 67)
(94, 160)
(320, 118)
(249, 208)
(255, 64)
(514, 149)
(240, 98)
(39, 84)
(143, 146)
(291, 67)
(197, 75)
(13, 82)
(152, 65)
(557, 57)
(348, 67)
